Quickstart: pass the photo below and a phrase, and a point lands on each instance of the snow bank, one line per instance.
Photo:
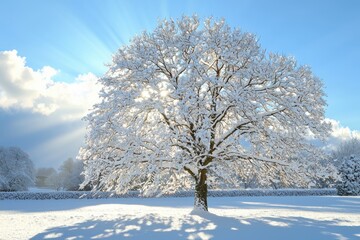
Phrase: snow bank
(136, 194)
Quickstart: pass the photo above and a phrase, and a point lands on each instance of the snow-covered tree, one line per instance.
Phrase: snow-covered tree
(350, 176)
(187, 105)
(69, 176)
(43, 176)
(16, 170)
(55, 182)
(345, 150)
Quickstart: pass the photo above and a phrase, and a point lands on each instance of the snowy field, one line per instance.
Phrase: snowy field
(313, 218)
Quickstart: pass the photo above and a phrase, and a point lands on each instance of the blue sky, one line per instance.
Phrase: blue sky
(67, 43)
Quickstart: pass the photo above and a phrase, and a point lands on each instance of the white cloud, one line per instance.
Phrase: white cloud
(342, 133)
(339, 134)
(25, 88)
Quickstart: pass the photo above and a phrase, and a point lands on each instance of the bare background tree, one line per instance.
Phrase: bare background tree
(68, 177)
(345, 150)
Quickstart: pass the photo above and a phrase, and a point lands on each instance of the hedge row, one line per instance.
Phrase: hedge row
(136, 194)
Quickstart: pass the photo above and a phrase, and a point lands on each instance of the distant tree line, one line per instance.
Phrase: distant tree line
(67, 178)
(17, 173)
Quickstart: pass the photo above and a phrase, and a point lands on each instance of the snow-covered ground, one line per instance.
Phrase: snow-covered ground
(315, 217)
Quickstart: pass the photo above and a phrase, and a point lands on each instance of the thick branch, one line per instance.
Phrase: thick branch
(243, 123)
(190, 172)
(258, 158)
(221, 116)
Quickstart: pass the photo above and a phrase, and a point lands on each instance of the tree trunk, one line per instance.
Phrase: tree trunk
(200, 202)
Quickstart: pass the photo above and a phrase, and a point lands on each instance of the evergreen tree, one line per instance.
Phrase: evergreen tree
(350, 176)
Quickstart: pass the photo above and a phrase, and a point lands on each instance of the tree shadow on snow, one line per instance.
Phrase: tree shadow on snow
(203, 226)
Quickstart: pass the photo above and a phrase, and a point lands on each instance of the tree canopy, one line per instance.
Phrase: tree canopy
(188, 105)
